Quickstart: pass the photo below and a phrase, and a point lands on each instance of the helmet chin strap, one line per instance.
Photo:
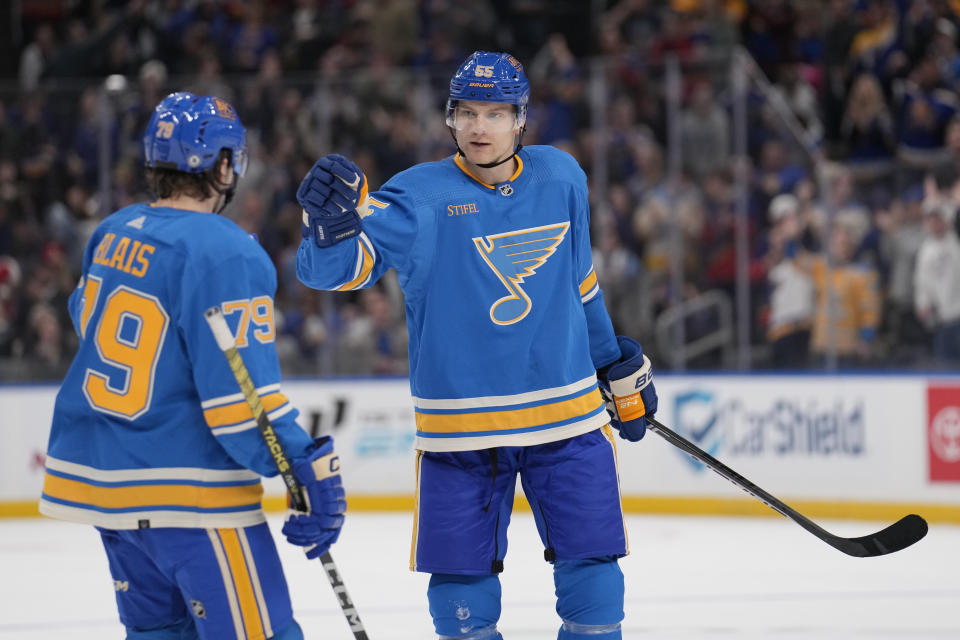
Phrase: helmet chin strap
(491, 165)
(225, 191)
(496, 163)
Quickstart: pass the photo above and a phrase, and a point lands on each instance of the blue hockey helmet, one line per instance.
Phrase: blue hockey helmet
(490, 77)
(187, 132)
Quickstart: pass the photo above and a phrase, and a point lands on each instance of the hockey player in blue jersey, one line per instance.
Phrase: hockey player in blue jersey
(152, 442)
(508, 332)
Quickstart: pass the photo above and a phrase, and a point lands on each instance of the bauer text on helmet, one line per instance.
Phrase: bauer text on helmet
(490, 77)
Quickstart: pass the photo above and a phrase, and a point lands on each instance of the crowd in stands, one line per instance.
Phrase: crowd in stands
(852, 253)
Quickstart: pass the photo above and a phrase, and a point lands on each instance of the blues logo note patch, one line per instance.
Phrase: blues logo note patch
(514, 256)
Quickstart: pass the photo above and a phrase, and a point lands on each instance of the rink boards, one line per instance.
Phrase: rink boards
(865, 446)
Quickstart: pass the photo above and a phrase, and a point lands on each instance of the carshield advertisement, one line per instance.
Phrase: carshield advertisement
(878, 439)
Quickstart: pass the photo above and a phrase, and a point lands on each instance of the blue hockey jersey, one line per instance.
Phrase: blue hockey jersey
(149, 426)
(507, 323)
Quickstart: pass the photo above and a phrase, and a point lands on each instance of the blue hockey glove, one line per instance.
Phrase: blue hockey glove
(627, 387)
(329, 195)
(319, 477)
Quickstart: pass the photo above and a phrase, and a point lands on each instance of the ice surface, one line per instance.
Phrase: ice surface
(687, 577)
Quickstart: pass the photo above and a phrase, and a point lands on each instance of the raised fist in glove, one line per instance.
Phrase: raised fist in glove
(329, 195)
(627, 387)
(319, 477)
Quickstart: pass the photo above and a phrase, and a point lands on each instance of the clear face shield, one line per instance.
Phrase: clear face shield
(492, 117)
(241, 159)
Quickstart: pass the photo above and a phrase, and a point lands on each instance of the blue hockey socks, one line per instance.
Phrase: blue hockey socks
(589, 598)
(465, 607)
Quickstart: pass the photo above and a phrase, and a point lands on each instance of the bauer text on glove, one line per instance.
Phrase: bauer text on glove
(627, 387)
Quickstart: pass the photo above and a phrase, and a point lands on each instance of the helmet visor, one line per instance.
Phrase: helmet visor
(497, 118)
(240, 160)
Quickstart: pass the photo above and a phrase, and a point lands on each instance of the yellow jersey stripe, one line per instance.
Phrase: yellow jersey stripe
(164, 474)
(498, 401)
(240, 411)
(236, 397)
(255, 581)
(249, 610)
(588, 283)
(365, 189)
(366, 266)
(252, 424)
(510, 419)
(607, 432)
(152, 495)
(217, 543)
(416, 513)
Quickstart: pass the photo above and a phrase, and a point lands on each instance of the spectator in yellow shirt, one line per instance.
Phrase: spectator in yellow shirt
(847, 302)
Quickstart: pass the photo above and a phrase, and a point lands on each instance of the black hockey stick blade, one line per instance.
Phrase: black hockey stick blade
(899, 535)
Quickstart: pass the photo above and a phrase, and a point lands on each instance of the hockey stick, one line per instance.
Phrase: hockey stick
(227, 343)
(901, 534)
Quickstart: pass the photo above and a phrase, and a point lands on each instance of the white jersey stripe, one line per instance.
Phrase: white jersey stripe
(228, 586)
(416, 513)
(237, 397)
(591, 295)
(255, 581)
(472, 443)
(505, 401)
(134, 519)
(366, 241)
(160, 473)
(282, 410)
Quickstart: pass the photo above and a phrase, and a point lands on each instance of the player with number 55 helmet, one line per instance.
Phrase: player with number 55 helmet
(507, 334)
(490, 77)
